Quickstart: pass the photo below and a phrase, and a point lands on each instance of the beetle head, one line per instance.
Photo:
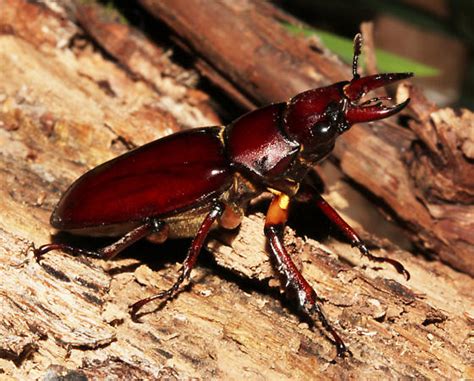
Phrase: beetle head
(316, 117)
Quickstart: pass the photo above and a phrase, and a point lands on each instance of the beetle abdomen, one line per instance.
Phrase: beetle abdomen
(161, 178)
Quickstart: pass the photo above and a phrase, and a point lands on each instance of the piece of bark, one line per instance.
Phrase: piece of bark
(268, 64)
(70, 317)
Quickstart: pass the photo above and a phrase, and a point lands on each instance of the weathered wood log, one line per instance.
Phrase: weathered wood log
(254, 52)
(148, 62)
(64, 108)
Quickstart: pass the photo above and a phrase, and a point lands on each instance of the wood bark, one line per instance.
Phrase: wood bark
(66, 106)
(245, 42)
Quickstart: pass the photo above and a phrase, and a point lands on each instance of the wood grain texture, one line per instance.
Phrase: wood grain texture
(66, 107)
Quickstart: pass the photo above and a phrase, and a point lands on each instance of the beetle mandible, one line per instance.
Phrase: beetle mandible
(188, 183)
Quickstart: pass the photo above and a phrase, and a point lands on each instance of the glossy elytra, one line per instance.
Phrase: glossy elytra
(190, 182)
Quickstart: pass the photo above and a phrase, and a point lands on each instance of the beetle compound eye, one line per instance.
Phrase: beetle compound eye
(320, 141)
(322, 132)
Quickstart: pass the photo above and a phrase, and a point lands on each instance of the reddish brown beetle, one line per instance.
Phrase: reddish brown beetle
(188, 183)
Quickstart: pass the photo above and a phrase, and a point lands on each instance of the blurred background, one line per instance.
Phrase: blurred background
(433, 38)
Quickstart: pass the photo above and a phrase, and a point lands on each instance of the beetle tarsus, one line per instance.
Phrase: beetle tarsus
(342, 350)
(71, 250)
(188, 264)
(365, 252)
(165, 295)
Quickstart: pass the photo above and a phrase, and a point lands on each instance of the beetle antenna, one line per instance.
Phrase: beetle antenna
(357, 52)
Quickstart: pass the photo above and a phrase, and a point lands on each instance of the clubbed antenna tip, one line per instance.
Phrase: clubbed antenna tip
(357, 52)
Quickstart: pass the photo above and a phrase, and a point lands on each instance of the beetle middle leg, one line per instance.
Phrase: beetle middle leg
(307, 192)
(277, 216)
(216, 211)
(152, 227)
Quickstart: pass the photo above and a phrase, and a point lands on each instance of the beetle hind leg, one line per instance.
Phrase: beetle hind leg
(152, 226)
(188, 264)
(307, 298)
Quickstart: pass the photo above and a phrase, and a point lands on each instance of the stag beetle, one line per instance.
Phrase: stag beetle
(188, 183)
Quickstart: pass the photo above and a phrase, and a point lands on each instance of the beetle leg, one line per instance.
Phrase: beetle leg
(277, 216)
(152, 226)
(349, 232)
(188, 264)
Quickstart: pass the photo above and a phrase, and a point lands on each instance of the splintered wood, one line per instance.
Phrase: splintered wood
(66, 106)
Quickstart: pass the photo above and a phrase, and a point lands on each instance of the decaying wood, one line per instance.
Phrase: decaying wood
(64, 108)
(253, 50)
(148, 62)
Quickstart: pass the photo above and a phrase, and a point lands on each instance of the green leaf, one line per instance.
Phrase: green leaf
(386, 61)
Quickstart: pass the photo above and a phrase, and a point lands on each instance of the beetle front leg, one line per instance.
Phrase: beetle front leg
(347, 230)
(188, 264)
(152, 226)
(277, 216)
